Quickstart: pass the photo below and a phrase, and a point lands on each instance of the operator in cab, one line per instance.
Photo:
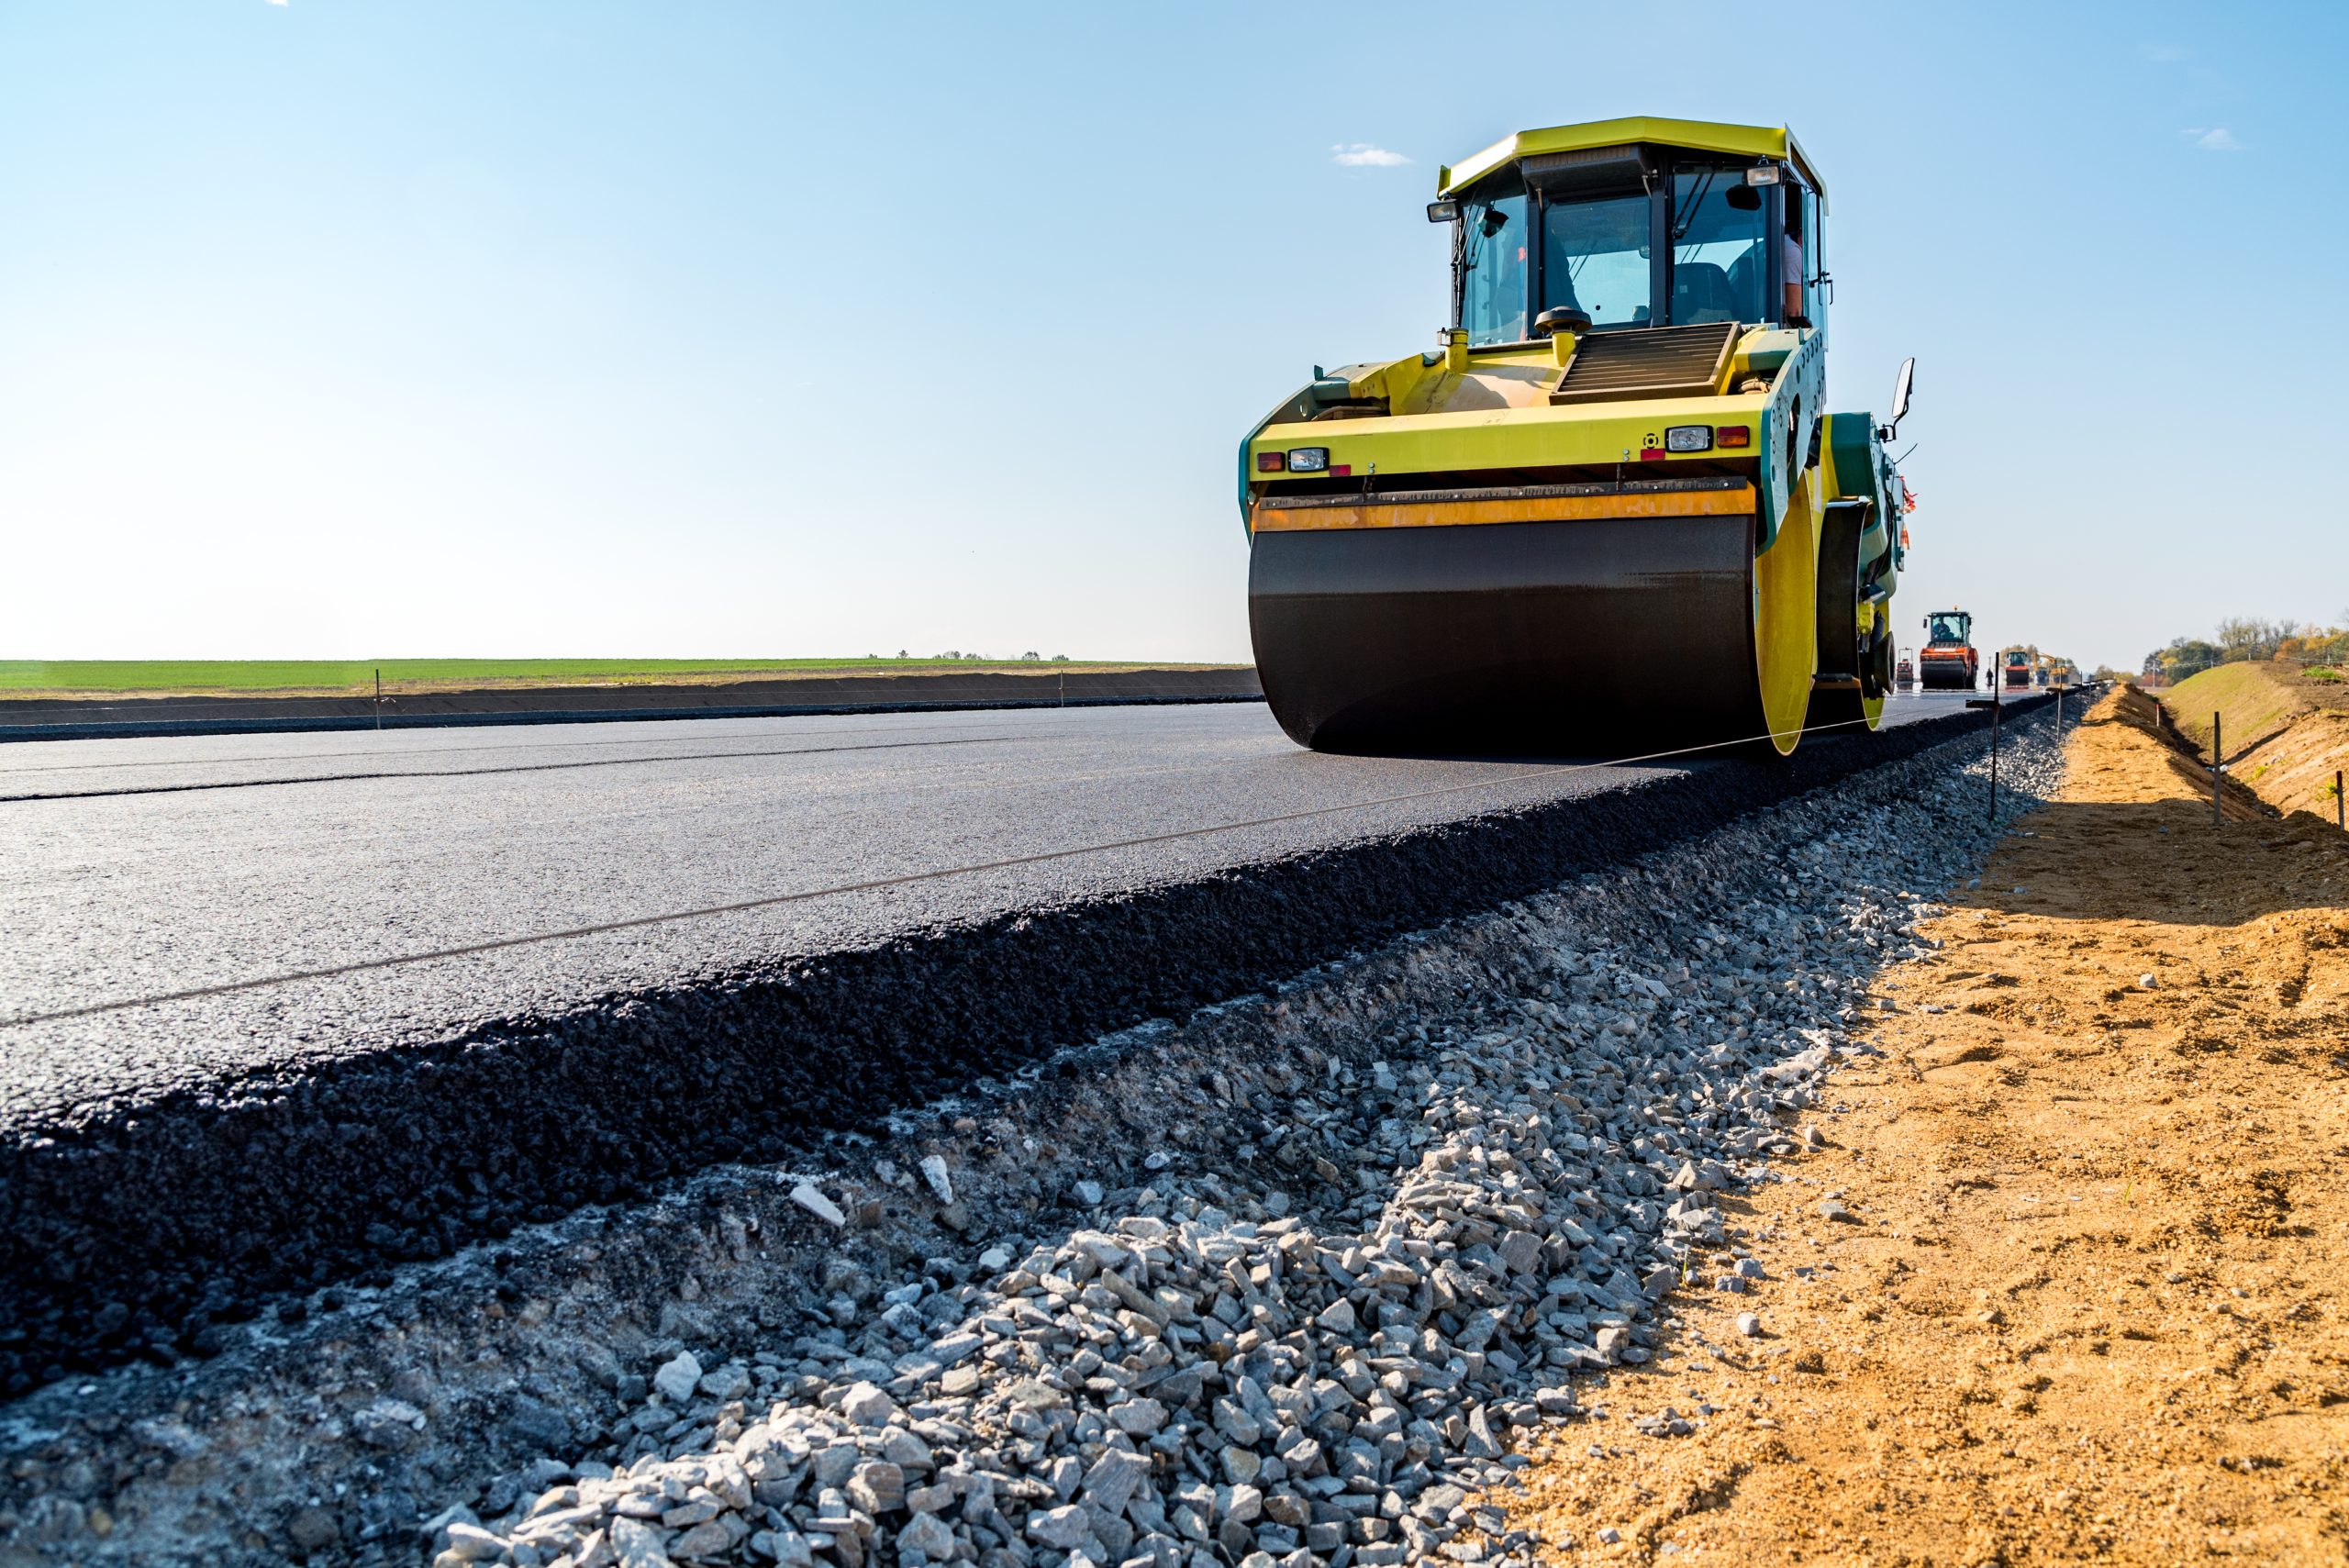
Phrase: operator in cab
(1792, 265)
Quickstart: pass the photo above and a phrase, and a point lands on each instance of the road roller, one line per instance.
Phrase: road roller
(1950, 660)
(1610, 513)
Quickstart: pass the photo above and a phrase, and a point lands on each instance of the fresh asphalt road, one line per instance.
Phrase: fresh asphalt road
(239, 868)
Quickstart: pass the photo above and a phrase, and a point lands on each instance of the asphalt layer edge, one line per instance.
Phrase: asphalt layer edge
(140, 1234)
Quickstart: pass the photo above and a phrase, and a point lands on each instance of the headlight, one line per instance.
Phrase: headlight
(1689, 438)
(1309, 460)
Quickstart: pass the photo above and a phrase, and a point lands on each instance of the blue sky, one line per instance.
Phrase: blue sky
(344, 329)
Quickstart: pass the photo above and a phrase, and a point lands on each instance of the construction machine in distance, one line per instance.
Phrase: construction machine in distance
(1949, 662)
(1612, 510)
(2017, 666)
(1904, 674)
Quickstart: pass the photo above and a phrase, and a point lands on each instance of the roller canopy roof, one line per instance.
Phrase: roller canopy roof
(1698, 136)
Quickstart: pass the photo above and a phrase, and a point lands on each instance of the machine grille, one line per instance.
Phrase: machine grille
(1667, 361)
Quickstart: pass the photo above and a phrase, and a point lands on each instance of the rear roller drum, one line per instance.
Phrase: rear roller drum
(1853, 650)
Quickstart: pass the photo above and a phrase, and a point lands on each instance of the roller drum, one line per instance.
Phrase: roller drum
(1589, 637)
(1855, 654)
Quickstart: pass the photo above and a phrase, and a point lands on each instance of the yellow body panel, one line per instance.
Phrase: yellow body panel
(1273, 517)
(1507, 437)
(1785, 617)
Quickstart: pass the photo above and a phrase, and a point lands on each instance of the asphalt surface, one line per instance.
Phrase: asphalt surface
(276, 1008)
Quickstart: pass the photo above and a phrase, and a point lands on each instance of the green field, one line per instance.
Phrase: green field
(74, 677)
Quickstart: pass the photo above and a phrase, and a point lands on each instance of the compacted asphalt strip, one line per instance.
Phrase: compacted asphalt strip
(278, 1008)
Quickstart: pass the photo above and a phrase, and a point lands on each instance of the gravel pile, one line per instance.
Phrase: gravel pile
(1308, 1339)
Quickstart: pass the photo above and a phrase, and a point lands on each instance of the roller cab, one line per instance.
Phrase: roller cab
(1610, 509)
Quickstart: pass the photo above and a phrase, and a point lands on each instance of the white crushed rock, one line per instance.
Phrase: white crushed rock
(1608, 1059)
(1475, 1206)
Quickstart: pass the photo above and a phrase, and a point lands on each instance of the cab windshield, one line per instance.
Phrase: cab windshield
(1594, 259)
(1945, 629)
(1676, 244)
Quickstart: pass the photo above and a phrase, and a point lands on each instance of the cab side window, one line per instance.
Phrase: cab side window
(1814, 258)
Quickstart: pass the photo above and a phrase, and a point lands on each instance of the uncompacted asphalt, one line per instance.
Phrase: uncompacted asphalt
(263, 994)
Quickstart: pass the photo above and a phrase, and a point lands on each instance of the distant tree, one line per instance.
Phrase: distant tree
(2316, 645)
(1031, 657)
(2184, 656)
(2248, 637)
(1060, 658)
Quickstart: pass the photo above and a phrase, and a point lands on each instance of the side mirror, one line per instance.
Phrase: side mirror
(1443, 212)
(1743, 198)
(1900, 398)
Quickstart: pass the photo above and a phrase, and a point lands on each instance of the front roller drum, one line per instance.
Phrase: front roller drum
(1588, 637)
(1943, 676)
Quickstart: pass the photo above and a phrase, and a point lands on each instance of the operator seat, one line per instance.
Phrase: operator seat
(1702, 292)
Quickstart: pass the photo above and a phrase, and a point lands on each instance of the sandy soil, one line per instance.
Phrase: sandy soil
(2287, 735)
(2088, 1302)
(2298, 769)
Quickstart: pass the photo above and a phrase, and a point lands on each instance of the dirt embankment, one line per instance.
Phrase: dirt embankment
(2067, 1279)
(2286, 732)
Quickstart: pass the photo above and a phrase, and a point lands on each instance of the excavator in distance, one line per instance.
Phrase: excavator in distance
(1611, 510)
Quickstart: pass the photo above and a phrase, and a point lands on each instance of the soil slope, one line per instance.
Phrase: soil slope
(2064, 1281)
(2286, 734)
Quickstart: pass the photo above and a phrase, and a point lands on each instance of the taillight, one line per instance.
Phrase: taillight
(1270, 463)
(1734, 436)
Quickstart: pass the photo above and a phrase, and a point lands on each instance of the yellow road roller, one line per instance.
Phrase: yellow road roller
(1609, 512)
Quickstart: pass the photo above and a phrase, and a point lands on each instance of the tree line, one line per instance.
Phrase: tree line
(2240, 637)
